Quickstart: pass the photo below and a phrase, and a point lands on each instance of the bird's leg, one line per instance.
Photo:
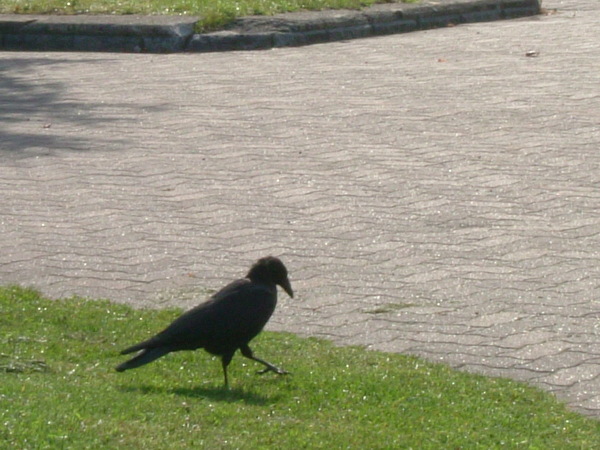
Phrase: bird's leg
(225, 360)
(247, 352)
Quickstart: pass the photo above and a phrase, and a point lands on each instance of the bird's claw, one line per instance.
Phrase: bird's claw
(277, 370)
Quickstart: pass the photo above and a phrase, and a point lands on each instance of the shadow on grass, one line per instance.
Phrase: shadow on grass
(218, 394)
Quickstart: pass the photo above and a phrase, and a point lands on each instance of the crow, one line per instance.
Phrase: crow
(226, 322)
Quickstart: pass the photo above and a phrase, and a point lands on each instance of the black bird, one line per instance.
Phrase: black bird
(228, 321)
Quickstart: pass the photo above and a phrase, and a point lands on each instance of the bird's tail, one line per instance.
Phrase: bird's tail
(145, 357)
(142, 345)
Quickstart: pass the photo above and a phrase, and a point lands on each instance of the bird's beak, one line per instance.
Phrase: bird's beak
(287, 287)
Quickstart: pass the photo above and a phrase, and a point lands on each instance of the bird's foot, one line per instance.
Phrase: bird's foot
(277, 370)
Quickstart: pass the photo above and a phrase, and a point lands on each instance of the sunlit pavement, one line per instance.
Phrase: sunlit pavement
(433, 193)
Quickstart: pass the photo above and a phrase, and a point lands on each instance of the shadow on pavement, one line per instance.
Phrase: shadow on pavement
(29, 108)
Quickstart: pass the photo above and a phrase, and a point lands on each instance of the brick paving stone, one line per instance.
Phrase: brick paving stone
(434, 193)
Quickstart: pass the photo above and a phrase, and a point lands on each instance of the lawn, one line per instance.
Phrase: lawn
(213, 13)
(58, 389)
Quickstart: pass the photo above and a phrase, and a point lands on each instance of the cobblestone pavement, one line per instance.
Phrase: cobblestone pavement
(434, 193)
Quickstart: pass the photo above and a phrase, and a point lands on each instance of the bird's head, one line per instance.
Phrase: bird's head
(272, 270)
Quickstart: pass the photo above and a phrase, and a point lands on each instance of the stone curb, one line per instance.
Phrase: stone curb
(170, 34)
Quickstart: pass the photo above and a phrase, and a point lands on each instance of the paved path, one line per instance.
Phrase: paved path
(434, 193)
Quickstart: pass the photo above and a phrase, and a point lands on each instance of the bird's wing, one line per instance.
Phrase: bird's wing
(236, 313)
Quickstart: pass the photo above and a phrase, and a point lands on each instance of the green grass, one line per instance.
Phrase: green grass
(214, 13)
(58, 389)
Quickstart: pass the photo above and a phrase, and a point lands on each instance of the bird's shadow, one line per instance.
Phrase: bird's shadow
(217, 394)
